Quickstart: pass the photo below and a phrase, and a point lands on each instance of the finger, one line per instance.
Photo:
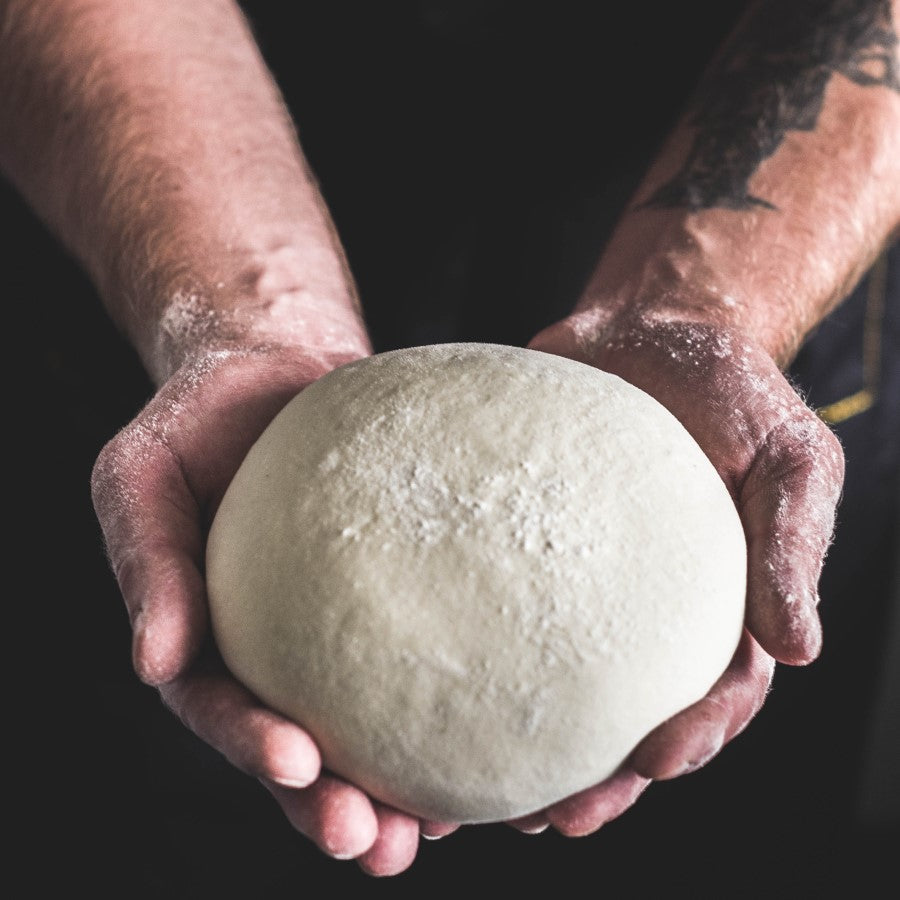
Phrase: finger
(788, 504)
(433, 830)
(585, 812)
(534, 823)
(691, 738)
(335, 815)
(255, 739)
(395, 847)
(151, 525)
(166, 595)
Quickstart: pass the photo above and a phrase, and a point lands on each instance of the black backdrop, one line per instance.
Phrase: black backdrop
(475, 156)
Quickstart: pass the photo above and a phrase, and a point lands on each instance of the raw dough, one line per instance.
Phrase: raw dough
(478, 575)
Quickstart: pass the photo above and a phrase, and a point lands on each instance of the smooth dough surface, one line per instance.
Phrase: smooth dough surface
(478, 575)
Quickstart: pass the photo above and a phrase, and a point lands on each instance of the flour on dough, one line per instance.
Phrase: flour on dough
(478, 575)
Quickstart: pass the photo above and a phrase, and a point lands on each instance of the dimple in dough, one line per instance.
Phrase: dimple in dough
(477, 574)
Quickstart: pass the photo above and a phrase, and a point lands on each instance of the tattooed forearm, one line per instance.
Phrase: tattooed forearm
(771, 79)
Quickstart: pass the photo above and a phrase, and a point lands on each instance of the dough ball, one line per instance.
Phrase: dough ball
(478, 575)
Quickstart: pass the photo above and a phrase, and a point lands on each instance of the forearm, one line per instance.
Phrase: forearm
(152, 139)
(778, 188)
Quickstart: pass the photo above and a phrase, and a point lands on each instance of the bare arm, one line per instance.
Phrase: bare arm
(781, 184)
(152, 139)
(776, 191)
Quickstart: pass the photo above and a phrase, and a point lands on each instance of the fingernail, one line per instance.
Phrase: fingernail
(441, 830)
(293, 781)
(806, 629)
(700, 760)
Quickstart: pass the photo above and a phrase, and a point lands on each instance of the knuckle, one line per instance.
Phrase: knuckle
(832, 451)
(117, 468)
(120, 472)
(103, 472)
(804, 453)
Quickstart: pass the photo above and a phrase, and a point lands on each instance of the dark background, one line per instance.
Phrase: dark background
(475, 157)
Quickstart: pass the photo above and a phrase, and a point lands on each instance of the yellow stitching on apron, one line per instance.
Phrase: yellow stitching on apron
(857, 403)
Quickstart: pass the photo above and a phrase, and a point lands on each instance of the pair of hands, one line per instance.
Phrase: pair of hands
(158, 483)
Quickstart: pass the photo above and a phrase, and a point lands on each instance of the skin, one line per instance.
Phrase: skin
(152, 140)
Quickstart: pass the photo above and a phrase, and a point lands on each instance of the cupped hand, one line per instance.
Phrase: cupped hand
(156, 486)
(784, 470)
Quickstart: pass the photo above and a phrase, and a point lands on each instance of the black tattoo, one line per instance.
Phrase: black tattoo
(770, 79)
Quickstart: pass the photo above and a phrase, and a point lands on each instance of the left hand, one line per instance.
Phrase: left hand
(784, 470)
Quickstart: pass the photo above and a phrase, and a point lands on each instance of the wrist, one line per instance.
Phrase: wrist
(717, 270)
(193, 328)
(301, 300)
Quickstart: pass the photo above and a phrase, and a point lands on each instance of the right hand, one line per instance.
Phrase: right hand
(156, 487)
